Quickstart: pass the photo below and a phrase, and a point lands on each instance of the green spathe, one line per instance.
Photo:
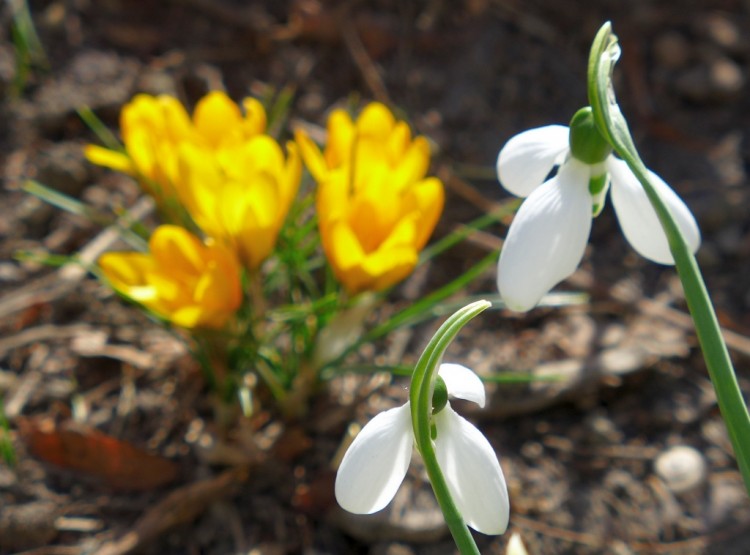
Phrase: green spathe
(586, 142)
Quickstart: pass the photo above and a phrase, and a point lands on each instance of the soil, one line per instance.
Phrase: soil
(146, 462)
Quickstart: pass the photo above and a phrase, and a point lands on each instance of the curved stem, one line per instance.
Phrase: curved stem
(422, 386)
(604, 53)
(715, 353)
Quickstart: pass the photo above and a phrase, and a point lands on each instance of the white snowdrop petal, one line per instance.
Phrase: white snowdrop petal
(462, 383)
(638, 219)
(527, 158)
(376, 462)
(473, 473)
(547, 238)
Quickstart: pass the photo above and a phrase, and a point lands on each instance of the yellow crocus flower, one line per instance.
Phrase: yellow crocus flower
(376, 209)
(241, 197)
(191, 283)
(154, 127)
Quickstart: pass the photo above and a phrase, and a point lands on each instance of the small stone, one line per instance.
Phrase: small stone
(516, 545)
(682, 468)
(718, 80)
(724, 32)
(10, 272)
(727, 77)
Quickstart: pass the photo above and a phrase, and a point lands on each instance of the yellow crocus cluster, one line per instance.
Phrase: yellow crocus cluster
(376, 209)
(154, 127)
(233, 180)
(243, 196)
(189, 282)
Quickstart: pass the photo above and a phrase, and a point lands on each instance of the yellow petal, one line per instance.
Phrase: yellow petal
(358, 271)
(255, 224)
(341, 133)
(142, 111)
(344, 253)
(333, 199)
(200, 182)
(127, 273)
(215, 115)
(425, 199)
(388, 267)
(192, 317)
(112, 159)
(262, 154)
(312, 155)
(176, 251)
(412, 165)
(398, 141)
(225, 270)
(372, 216)
(255, 117)
(376, 122)
(173, 289)
(176, 122)
(125, 268)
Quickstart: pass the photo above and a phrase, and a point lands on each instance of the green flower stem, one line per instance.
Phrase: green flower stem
(420, 396)
(604, 54)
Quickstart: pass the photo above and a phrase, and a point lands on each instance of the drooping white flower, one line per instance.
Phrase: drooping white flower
(377, 460)
(547, 238)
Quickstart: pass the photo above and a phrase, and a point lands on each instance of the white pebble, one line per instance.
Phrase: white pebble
(682, 468)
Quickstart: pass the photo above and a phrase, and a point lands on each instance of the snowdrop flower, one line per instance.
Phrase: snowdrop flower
(547, 238)
(376, 462)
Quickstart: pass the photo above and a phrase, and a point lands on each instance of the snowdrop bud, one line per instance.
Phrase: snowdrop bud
(586, 143)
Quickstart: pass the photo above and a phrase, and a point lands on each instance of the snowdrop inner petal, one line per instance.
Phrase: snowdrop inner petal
(462, 383)
(527, 158)
(473, 473)
(547, 238)
(638, 219)
(376, 462)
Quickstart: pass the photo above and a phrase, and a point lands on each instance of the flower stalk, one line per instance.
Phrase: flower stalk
(611, 122)
(421, 393)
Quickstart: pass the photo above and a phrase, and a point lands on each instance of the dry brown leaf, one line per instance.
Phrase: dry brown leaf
(117, 463)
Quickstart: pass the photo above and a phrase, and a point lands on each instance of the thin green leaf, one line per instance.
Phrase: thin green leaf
(102, 132)
(52, 260)
(75, 206)
(7, 451)
(29, 52)
(67, 203)
(463, 232)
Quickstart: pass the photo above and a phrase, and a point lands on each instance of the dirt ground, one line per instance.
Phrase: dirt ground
(581, 453)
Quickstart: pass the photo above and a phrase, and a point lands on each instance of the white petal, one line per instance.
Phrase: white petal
(547, 237)
(638, 219)
(462, 383)
(473, 473)
(376, 462)
(527, 158)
